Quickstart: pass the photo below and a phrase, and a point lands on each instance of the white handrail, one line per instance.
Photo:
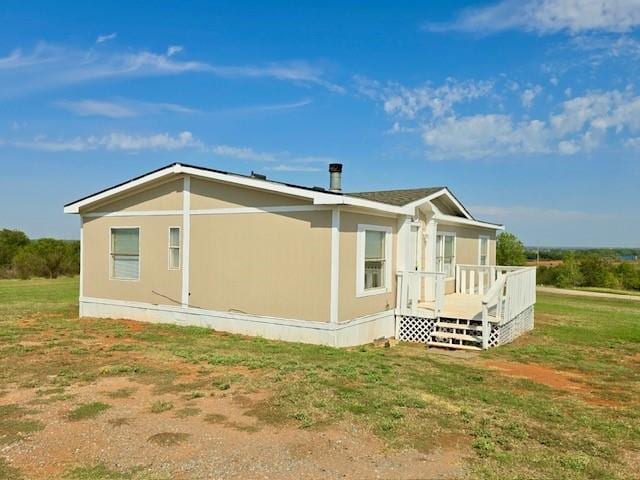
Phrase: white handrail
(414, 287)
(511, 294)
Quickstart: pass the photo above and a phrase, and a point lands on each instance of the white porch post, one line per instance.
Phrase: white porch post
(432, 231)
(335, 265)
(404, 230)
(186, 238)
(430, 237)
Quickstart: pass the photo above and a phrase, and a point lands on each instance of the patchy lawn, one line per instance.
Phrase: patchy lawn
(100, 399)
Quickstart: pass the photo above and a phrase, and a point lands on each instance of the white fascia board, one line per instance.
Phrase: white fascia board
(444, 191)
(75, 207)
(441, 218)
(318, 198)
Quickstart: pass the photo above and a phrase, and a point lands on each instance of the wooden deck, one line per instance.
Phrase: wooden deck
(458, 305)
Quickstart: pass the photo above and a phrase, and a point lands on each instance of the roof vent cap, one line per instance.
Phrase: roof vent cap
(335, 177)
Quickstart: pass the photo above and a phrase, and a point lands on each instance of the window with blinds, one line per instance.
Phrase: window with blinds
(174, 248)
(374, 259)
(484, 250)
(125, 253)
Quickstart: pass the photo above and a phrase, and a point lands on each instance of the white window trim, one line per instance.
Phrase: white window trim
(488, 239)
(169, 248)
(360, 247)
(110, 260)
(455, 245)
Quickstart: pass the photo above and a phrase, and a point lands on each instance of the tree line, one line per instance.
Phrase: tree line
(599, 268)
(21, 257)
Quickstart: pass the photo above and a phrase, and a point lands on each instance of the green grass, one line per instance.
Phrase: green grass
(633, 293)
(161, 406)
(87, 411)
(406, 395)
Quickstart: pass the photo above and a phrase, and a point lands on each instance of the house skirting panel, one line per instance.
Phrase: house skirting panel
(358, 331)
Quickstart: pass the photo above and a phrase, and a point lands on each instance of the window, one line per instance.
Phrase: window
(445, 253)
(174, 248)
(374, 260)
(483, 255)
(125, 253)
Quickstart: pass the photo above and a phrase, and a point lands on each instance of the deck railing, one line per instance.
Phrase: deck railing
(478, 279)
(415, 287)
(510, 294)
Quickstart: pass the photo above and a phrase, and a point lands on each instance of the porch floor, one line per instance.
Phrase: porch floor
(458, 305)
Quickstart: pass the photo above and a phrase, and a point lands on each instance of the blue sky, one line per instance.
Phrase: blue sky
(529, 111)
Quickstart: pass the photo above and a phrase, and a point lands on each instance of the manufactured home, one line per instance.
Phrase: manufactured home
(245, 254)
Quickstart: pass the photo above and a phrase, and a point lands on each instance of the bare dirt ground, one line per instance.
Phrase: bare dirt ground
(209, 436)
(573, 382)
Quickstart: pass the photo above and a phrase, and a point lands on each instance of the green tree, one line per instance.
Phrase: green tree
(568, 274)
(597, 271)
(510, 250)
(629, 275)
(10, 242)
(45, 257)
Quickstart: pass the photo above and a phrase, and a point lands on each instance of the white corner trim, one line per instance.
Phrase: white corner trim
(186, 237)
(335, 265)
(82, 255)
(450, 219)
(360, 257)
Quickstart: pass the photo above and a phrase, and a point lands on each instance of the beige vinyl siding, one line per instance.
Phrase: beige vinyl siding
(206, 194)
(351, 306)
(155, 275)
(262, 264)
(163, 196)
(467, 247)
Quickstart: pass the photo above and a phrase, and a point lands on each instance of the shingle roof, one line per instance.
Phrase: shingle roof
(397, 197)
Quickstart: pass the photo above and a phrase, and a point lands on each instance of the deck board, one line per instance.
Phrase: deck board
(459, 305)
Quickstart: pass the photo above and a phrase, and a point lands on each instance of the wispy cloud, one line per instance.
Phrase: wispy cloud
(185, 140)
(174, 50)
(50, 66)
(242, 153)
(119, 108)
(112, 141)
(436, 100)
(546, 17)
(106, 38)
(528, 96)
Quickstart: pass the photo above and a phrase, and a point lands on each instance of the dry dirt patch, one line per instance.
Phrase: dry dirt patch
(573, 382)
(129, 436)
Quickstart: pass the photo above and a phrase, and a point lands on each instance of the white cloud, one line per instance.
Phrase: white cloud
(241, 153)
(480, 136)
(528, 96)
(437, 101)
(568, 92)
(49, 66)
(119, 108)
(106, 38)
(547, 17)
(174, 50)
(580, 124)
(112, 141)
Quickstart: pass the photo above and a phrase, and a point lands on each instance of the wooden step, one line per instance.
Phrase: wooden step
(459, 326)
(453, 345)
(456, 336)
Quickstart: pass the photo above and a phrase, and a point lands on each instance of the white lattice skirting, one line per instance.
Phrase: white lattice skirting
(509, 331)
(414, 329)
